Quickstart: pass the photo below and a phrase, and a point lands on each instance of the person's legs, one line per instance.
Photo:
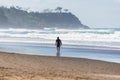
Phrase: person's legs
(58, 51)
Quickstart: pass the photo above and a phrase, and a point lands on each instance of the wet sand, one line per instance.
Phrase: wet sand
(32, 67)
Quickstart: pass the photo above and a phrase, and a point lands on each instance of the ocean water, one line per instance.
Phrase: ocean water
(100, 44)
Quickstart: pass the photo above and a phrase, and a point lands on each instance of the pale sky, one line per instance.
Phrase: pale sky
(94, 13)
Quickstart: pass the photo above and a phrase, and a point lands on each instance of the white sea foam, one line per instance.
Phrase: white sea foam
(98, 37)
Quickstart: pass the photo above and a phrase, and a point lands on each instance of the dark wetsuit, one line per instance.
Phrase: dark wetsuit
(58, 43)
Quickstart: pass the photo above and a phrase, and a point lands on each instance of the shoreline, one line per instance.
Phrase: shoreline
(84, 47)
(15, 66)
(53, 56)
(30, 54)
(37, 49)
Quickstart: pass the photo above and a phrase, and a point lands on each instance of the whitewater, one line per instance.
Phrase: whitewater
(90, 37)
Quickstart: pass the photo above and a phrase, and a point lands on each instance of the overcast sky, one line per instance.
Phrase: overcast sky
(94, 13)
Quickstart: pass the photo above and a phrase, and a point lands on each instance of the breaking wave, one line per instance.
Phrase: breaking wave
(97, 37)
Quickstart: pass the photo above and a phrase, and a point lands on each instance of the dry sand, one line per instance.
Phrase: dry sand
(29, 67)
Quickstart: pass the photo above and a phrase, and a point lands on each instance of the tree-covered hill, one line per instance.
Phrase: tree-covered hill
(17, 18)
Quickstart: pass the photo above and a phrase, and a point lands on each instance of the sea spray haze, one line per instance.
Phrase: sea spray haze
(34, 27)
(15, 17)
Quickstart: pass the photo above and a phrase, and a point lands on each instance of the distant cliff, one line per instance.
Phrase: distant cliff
(17, 18)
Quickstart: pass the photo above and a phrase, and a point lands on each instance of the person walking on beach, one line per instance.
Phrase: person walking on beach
(58, 44)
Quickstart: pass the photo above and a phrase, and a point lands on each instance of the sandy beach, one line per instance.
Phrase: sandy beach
(32, 67)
